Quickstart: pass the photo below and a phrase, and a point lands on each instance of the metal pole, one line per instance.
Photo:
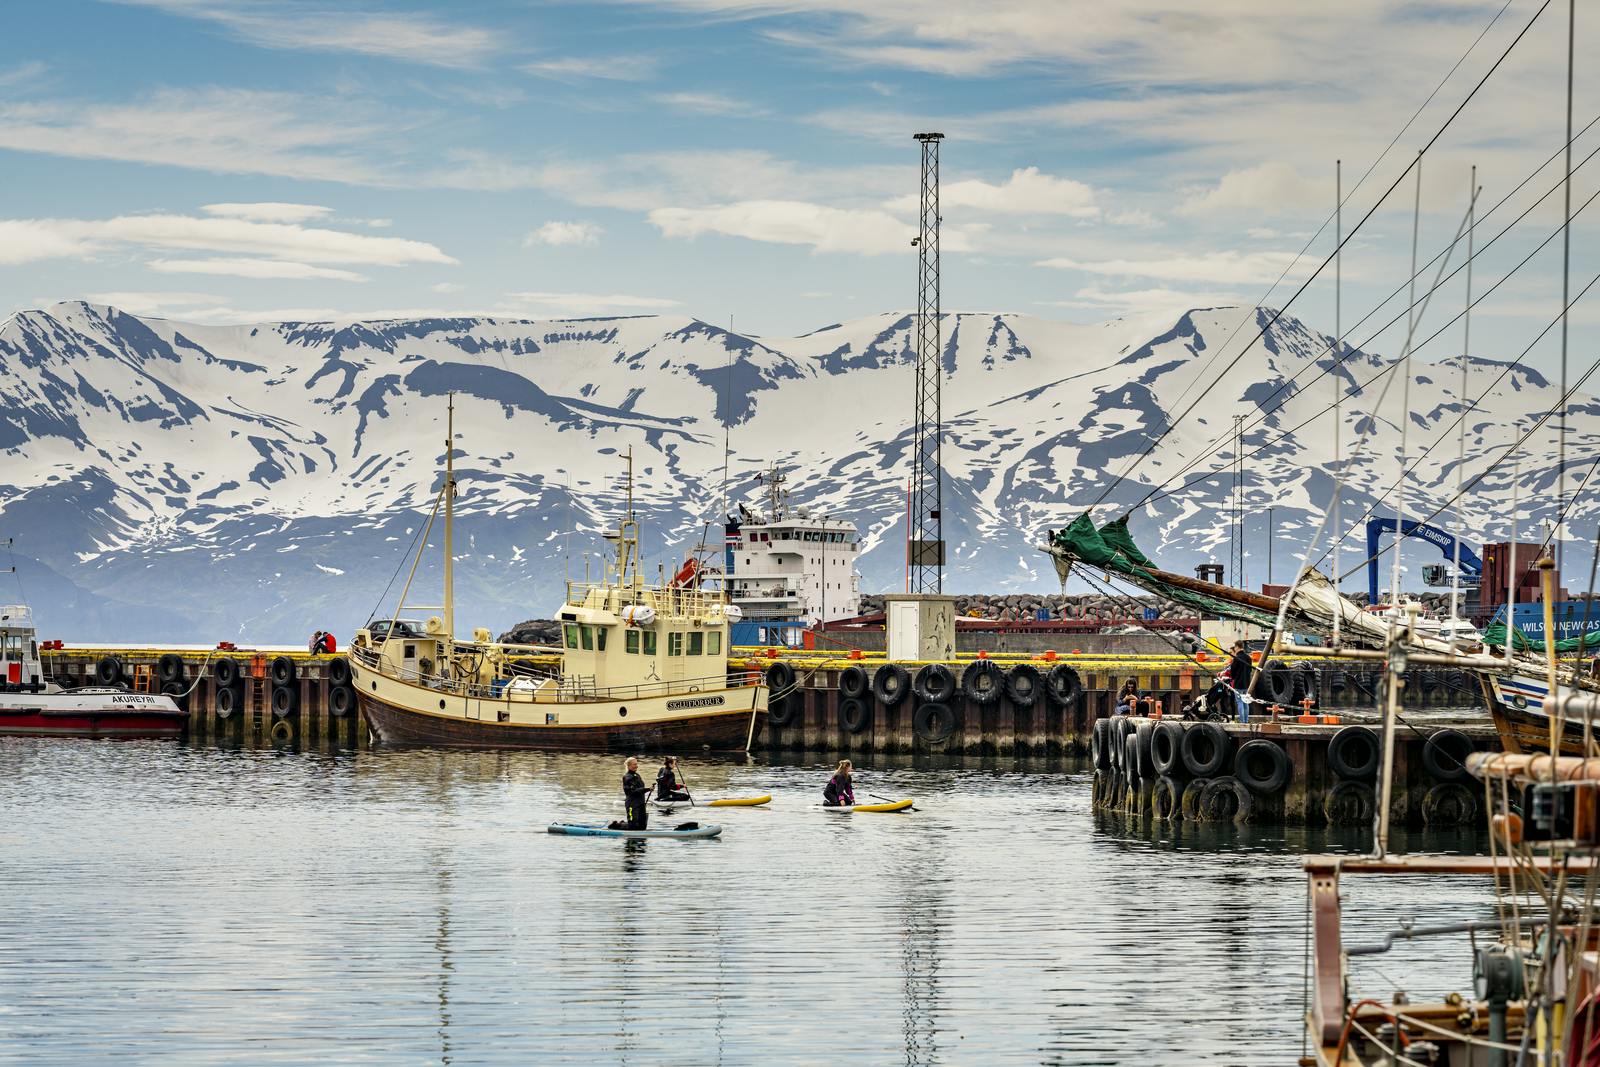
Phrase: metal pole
(926, 562)
(1338, 387)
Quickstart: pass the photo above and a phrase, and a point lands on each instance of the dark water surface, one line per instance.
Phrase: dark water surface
(175, 905)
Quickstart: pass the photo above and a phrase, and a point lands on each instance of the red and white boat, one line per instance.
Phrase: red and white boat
(30, 706)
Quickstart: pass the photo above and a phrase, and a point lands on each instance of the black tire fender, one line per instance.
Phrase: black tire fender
(108, 671)
(1143, 736)
(1445, 753)
(1099, 744)
(854, 714)
(1226, 799)
(1063, 685)
(229, 701)
(1263, 766)
(1349, 803)
(934, 722)
(1353, 753)
(935, 684)
(1449, 804)
(1189, 805)
(339, 671)
(169, 668)
(1166, 801)
(285, 701)
(1277, 683)
(890, 684)
(1166, 749)
(282, 671)
(341, 701)
(1206, 748)
(226, 672)
(982, 682)
(1023, 683)
(853, 682)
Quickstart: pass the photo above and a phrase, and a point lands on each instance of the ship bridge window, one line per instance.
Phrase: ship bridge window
(714, 643)
(586, 636)
(697, 643)
(649, 642)
(571, 634)
(674, 644)
(600, 638)
(630, 642)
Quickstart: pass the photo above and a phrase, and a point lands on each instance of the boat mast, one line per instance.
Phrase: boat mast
(449, 521)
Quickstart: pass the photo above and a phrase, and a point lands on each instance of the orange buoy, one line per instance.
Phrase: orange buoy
(982, 654)
(1049, 655)
(855, 653)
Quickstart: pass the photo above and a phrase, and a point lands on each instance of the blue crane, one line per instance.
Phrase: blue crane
(1434, 574)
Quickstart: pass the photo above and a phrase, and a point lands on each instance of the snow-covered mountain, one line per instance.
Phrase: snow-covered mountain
(168, 480)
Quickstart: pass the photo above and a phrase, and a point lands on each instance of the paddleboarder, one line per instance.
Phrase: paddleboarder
(668, 785)
(840, 791)
(634, 792)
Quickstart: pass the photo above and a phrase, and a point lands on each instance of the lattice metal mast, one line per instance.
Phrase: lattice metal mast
(926, 545)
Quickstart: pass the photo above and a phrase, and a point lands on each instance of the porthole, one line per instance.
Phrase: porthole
(374, 687)
(441, 705)
(623, 711)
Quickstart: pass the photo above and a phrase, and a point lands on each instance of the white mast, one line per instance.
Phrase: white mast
(449, 520)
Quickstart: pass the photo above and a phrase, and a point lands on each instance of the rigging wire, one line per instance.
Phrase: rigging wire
(1566, 275)
(1405, 388)
(1157, 491)
(1172, 424)
(384, 595)
(1389, 368)
(1204, 371)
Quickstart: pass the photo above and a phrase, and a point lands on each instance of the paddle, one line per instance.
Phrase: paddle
(886, 800)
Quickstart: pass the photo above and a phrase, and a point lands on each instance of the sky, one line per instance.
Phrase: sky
(254, 160)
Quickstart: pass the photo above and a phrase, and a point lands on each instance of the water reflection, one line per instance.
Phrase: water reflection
(190, 904)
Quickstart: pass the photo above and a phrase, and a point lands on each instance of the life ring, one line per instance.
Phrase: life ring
(1166, 748)
(339, 671)
(853, 682)
(1226, 799)
(1143, 736)
(228, 700)
(1353, 753)
(1349, 803)
(226, 672)
(890, 683)
(1166, 800)
(108, 671)
(1206, 748)
(282, 730)
(282, 671)
(285, 701)
(1445, 753)
(1063, 685)
(1189, 806)
(1449, 804)
(982, 681)
(935, 683)
(1277, 682)
(1262, 766)
(169, 668)
(934, 722)
(341, 701)
(854, 715)
(1022, 685)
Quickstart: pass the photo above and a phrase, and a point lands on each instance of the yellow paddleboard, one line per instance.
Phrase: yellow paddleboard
(739, 802)
(893, 805)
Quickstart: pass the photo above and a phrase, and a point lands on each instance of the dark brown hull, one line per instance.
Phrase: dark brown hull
(723, 732)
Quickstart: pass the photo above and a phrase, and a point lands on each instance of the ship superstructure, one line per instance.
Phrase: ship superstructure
(788, 563)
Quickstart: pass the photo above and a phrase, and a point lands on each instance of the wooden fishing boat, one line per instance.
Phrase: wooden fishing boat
(642, 668)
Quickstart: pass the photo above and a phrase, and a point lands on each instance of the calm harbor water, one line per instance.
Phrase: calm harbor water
(189, 905)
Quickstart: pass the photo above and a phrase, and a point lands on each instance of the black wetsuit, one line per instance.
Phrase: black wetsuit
(839, 790)
(667, 785)
(634, 792)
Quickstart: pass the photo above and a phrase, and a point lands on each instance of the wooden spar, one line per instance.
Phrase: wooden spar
(1530, 767)
(1216, 592)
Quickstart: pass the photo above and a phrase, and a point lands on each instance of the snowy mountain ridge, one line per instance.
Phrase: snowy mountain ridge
(170, 480)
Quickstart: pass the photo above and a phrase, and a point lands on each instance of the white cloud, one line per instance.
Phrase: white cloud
(1105, 301)
(227, 131)
(1225, 268)
(792, 222)
(418, 38)
(253, 268)
(158, 304)
(709, 104)
(577, 304)
(21, 74)
(556, 232)
(378, 224)
(447, 287)
(267, 212)
(25, 240)
(605, 68)
(1269, 187)
(1026, 192)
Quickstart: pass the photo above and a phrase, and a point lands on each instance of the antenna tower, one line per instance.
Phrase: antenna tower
(926, 545)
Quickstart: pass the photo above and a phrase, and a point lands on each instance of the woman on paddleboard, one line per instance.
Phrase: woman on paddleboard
(840, 791)
(668, 785)
(634, 792)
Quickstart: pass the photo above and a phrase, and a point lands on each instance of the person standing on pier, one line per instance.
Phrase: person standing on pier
(634, 792)
(668, 785)
(1240, 672)
(840, 790)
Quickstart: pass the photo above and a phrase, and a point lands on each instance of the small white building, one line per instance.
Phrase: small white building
(791, 565)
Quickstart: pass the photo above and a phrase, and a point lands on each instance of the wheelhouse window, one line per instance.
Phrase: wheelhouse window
(675, 644)
(631, 642)
(600, 638)
(649, 642)
(697, 643)
(714, 643)
(571, 631)
(586, 636)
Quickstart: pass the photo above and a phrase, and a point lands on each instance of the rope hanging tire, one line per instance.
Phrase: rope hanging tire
(890, 684)
(1277, 682)
(1189, 806)
(1166, 802)
(1349, 803)
(108, 671)
(1227, 800)
(982, 682)
(282, 670)
(1166, 749)
(854, 715)
(1444, 755)
(1099, 745)
(933, 722)
(782, 703)
(1206, 748)
(229, 699)
(226, 672)
(1262, 766)
(339, 672)
(1022, 685)
(169, 668)
(853, 682)
(1353, 753)
(935, 683)
(341, 701)
(1063, 685)
(285, 702)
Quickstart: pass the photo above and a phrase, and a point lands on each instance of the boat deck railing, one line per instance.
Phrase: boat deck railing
(672, 602)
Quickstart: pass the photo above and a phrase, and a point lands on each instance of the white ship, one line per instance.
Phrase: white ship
(790, 564)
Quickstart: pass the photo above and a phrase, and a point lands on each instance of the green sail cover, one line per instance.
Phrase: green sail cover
(1495, 637)
(1115, 535)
